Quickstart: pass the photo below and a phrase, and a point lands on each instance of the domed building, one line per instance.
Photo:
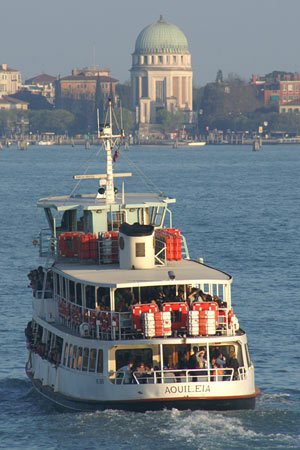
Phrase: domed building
(161, 73)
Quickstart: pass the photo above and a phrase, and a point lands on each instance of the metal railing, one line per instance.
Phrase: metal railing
(112, 325)
(178, 376)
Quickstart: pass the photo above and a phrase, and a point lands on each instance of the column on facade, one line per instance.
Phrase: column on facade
(190, 92)
(179, 92)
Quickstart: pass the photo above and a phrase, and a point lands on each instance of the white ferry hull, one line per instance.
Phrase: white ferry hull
(85, 392)
(151, 404)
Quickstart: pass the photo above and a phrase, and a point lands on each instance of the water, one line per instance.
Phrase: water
(239, 210)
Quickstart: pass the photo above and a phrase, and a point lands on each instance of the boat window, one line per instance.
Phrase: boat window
(70, 355)
(156, 215)
(88, 221)
(60, 284)
(65, 354)
(90, 297)
(216, 349)
(103, 297)
(144, 216)
(49, 217)
(57, 284)
(140, 249)
(93, 355)
(74, 356)
(79, 358)
(85, 360)
(100, 361)
(65, 287)
(136, 355)
(78, 294)
(175, 356)
(68, 221)
(72, 291)
(114, 220)
(248, 355)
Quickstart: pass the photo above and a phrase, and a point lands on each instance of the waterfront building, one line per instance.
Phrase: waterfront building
(10, 80)
(292, 106)
(7, 102)
(161, 73)
(42, 84)
(81, 85)
(280, 87)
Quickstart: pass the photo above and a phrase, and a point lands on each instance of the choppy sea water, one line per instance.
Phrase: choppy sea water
(239, 210)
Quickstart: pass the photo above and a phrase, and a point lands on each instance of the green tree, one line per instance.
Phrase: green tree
(127, 119)
(123, 92)
(57, 121)
(170, 121)
(58, 99)
(219, 77)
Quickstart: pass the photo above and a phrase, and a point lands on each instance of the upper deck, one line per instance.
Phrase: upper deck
(182, 272)
(93, 201)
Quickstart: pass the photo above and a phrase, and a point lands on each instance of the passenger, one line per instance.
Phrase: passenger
(217, 374)
(41, 350)
(28, 333)
(118, 298)
(232, 363)
(193, 296)
(180, 297)
(202, 361)
(140, 373)
(128, 297)
(57, 356)
(169, 377)
(221, 360)
(126, 373)
(192, 362)
(149, 374)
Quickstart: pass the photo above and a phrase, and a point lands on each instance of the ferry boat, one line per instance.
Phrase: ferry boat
(122, 317)
(197, 144)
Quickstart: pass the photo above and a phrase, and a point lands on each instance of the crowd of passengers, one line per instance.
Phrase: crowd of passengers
(142, 373)
(35, 344)
(36, 281)
(125, 299)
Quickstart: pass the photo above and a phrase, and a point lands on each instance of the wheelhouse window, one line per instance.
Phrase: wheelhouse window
(114, 220)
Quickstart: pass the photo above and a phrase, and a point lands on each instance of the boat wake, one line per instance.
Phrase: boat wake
(225, 430)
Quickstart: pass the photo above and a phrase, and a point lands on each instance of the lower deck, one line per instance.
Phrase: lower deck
(184, 373)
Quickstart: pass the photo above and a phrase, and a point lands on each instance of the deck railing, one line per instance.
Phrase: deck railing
(179, 376)
(112, 325)
(99, 251)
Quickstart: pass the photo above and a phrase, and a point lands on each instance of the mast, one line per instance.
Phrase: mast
(110, 141)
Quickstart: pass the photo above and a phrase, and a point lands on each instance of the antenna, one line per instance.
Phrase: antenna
(98, 122)
(121, 115)
(94, 55)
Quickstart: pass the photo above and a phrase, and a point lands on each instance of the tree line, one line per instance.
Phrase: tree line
(232, 104)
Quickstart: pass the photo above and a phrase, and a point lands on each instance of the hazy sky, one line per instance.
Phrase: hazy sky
(236, 36)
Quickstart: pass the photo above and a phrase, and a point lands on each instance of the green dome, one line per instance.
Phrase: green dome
(161, 37)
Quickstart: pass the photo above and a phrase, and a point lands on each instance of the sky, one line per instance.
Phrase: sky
(237, 36)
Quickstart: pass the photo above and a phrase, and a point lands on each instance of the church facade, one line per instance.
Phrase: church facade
(161, 73)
